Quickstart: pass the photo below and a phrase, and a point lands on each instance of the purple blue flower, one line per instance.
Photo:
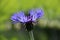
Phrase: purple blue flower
(34, 14)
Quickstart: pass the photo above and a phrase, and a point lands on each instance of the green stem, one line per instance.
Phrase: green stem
(31, 35)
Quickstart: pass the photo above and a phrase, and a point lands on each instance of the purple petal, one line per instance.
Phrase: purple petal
(22, 17)
(19, 17)
(14, 18)
(39, 13)
(36, 13)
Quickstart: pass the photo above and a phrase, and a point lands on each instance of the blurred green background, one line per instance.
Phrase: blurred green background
(49, 23)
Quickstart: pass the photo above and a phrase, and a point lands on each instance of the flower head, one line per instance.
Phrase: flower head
(34, 14)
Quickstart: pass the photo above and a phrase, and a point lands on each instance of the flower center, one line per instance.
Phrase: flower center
(29, 25)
